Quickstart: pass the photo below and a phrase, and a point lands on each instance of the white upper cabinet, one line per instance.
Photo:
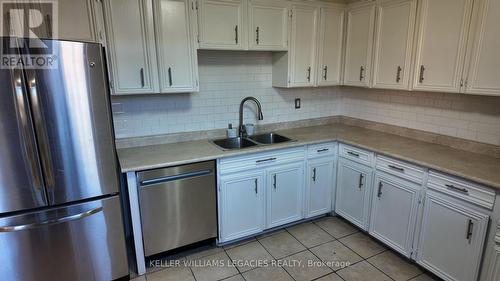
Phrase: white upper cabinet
(131, 46)
(268, 25)
(439, 59)
(394, 31)
(284, 194)
(177, 59)
(303, 45)
(482, 76)
(221, 24)
(331, 32)
(359, 42)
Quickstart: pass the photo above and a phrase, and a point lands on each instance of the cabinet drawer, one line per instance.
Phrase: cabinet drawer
(321, 149)
(261, 160)
(400, 169)
(356, 154)
(459, 188)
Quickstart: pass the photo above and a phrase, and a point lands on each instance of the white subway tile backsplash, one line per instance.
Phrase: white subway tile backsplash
(228, 77)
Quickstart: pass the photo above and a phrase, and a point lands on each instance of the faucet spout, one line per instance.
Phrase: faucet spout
(260, 116)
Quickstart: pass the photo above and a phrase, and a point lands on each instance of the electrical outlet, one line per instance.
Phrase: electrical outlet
(297, 103)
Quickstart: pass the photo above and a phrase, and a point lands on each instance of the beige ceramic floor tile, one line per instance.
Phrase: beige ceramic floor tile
(425, 277)
(214, 267)
(395, 266)
(281, 245)
(362, 271)
(310, 234)
(336, 255)
(336, 226)
(363, 245)
(203, 252)
(140, 278)
(235, 278)
(249, 256)
(239, 243)
(305, 266)
(180, 273)
(330, 277)
(268, 273)
(262, 236)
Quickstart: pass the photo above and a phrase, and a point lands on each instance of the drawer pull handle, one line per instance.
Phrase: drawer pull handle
(397, 168)
(379, 193)
(452, 187)
(361, 176)
(470, 229)
(265, 160)
(314, 174)
(353, 153)
(322, 150)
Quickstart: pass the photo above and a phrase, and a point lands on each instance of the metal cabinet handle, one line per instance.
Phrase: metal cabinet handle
(421, 77)
(352, 153)
(309, 74)
(452, 187)
(256, 186)
(470, 229)
(379, 193)
(236, 34)
(170, 76)
(322, 150)
(325, 69)
(141, 73)
(265, 160)
(361, 73)
(398, 74)
(361, 176)
(257, 37)
(50, 221)
(396, 168)
(314, 175)
(274, 181)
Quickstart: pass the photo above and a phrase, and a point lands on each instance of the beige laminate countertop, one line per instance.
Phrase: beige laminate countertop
(472, 166)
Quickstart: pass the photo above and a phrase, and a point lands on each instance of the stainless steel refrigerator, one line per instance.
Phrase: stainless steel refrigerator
(60, 213)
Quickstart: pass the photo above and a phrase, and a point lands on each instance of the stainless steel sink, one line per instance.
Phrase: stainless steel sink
(234, 143)
(269, 138)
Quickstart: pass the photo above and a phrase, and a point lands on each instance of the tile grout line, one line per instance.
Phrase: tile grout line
(274, 257)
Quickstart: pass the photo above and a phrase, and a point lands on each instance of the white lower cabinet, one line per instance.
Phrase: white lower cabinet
(451, 238)
(354, 184)
(320, 175)
(285, 185)
(394, 212)
(242, 204)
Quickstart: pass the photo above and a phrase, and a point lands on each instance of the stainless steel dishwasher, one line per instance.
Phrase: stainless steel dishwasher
(178, 206)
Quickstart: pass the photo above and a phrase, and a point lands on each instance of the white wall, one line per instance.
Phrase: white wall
(227, 77)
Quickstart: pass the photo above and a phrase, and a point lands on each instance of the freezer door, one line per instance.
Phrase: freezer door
(72, 119)
(21, 184)
(79, 242)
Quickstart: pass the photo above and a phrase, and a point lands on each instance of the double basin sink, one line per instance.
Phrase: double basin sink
(261, 139)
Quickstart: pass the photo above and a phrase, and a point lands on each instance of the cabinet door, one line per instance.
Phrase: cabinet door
(482, 75)
(176, 53)
(131, 46)
(303, 46)
(393, 44)
(354, 183)
(443, 27)
(241, 205)
(319, 186)
(451, 230)
(268, 28)
(331, 34)
(284, 189)
(221, 24)
(360, 21)
(394, 212)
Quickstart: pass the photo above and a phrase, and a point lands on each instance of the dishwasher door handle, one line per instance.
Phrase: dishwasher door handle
(176, 177)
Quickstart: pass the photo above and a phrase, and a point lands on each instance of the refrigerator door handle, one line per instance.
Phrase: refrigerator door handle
(40, 129)
(82, 215)
(27, 132)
